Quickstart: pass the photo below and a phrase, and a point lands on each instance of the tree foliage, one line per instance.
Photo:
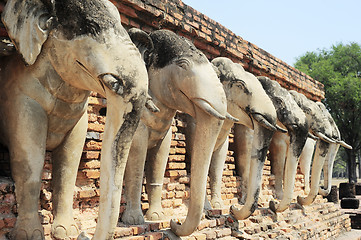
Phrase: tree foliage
(339, 69)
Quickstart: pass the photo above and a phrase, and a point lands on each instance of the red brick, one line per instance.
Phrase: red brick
(180, 195)
(90, 165)
(170, 195)
(136, 238)
(180, 187)
(154, 236)
(92, 173)
(155, 226)
(177, 202)
(96, 101)
(124, 19)
(139, 229)
(46, 175)
(176, 158)
(126, 10)
(2, 223)
(92, 117)
(173, 165)
(96, 127)
(167, 203)
(145, 205)
(86, 193)
(93, 145)
(102, 119)
(90, 155)
(10, 222)
(184, 180)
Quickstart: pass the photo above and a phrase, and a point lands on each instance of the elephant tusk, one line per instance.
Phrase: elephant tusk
(205, 106)
(343, 144)
(281, 129)
(259, 118)
(230, 117)
(310, 135)
(324, 137)
(150, 105)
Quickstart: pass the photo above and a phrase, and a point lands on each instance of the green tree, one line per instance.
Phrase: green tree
(339, 69)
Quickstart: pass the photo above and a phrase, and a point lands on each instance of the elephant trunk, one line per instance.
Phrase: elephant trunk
(297, 142)
(206, 132)
(118, 135)
(321, 153)
(327, 170)
(261, 142)
(305, 161)
(243, 139)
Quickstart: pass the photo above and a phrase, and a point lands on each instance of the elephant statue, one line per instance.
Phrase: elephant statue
(67, 48)
(324, 127)
(180, 78)
(255, 115)
(285, 148)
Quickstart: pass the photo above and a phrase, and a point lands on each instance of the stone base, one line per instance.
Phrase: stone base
(321, 220)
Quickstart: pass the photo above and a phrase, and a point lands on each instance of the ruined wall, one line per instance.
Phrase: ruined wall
(214, 40)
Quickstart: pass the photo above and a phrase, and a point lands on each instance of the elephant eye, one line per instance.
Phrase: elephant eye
(242, 85)
(307, 110)
(183, 63)
(279, 102)
(239, 83)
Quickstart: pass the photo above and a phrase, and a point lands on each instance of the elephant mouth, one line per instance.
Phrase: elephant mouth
(83, 68)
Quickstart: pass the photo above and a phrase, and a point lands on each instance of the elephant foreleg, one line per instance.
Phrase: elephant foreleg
(134, 176)
(215, 174)
(243, 139)
(66, 158)
(27, 145)
(155, 168)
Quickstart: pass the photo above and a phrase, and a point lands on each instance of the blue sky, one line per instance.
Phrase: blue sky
(287, 29)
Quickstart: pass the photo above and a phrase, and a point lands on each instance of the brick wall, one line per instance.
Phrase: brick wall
(215, 40)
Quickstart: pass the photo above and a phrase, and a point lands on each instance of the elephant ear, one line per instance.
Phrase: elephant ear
(143, 42)
(216, 70)
(28, 24)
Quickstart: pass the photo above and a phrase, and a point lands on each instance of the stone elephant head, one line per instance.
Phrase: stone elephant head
(285, 149)
(180, 78)
(66, 49)
(323, 126)
(257, 120)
